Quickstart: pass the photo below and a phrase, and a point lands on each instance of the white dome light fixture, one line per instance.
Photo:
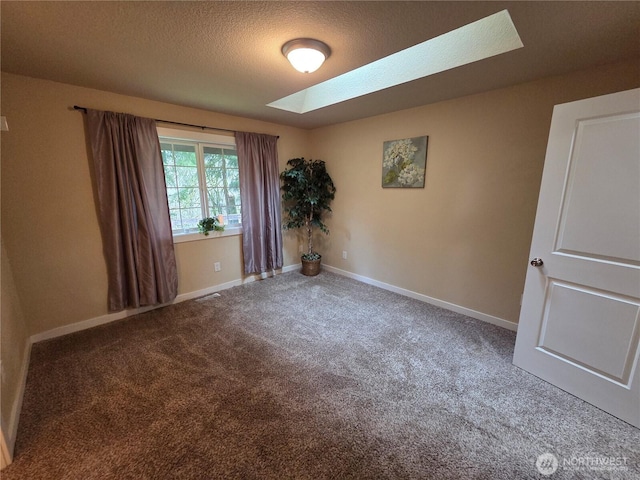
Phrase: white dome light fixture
(306, 54)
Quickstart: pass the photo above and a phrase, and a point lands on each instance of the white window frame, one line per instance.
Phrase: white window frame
(200, 137)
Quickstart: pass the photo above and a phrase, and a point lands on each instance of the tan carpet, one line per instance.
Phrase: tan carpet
(305, 378)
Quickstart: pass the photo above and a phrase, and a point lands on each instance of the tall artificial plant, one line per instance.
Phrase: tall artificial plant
(307, 191)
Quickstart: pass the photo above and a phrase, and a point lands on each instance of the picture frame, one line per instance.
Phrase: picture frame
(404, 162)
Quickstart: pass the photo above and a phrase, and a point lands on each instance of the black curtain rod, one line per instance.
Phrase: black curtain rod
(203, 127)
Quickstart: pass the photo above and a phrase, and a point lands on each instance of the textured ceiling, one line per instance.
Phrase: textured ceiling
(225, 56)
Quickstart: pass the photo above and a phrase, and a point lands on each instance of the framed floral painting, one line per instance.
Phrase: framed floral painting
(404, 162)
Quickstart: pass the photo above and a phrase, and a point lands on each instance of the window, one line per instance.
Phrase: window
(202, 179)
(222, 179)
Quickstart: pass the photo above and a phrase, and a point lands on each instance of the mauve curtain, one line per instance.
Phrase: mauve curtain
(260, 197)
(133, 210)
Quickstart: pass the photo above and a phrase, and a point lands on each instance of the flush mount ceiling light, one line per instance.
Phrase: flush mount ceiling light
(306, 54)
(484, 38)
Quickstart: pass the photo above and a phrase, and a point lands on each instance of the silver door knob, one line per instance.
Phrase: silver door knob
(537, 262)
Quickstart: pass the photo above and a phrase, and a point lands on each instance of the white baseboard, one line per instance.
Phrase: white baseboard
(234, 283)
(424, 298)
(112, 317)
(85, 324)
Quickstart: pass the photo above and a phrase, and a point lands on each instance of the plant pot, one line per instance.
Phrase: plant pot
(311, 268)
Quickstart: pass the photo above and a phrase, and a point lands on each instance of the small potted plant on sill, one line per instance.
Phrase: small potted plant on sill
(209, 224)
(307, 191)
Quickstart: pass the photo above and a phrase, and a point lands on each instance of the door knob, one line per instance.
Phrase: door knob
(537, 262)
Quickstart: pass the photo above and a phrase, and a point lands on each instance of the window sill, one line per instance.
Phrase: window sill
(193, 237)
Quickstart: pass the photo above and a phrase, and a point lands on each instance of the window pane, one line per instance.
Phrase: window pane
(187, 176)
(213, 157)
(191, 217)
(214, 177)
(176, 154)
(235, 193)
(232, 158)
(170, 176)
(175, 219)
(185, 155)
(212, 150)
(189, 197)
(216, 201)
(179, 147)
(234, 220)
(233, 179)
(172, 195)
(167, 155)
(185, 159)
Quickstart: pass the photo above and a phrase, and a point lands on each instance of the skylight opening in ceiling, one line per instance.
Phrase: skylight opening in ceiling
(476, 41)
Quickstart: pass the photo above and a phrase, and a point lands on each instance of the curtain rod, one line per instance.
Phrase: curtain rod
(84, 109)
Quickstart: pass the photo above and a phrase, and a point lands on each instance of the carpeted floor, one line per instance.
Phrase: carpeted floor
(305, 378)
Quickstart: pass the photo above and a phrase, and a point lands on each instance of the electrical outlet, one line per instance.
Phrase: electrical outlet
(216, 266)
(344, 254)
(300, 248)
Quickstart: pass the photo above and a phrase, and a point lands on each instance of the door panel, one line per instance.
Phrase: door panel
(596, 345)
(580, 320)
(592, 208)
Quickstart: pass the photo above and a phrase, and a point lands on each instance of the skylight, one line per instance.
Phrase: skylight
(481, 39)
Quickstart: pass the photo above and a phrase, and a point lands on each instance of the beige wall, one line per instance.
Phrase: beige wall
(465, 237)
(49, 222)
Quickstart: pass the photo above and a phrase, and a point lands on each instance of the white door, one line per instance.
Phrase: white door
(580, 319)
